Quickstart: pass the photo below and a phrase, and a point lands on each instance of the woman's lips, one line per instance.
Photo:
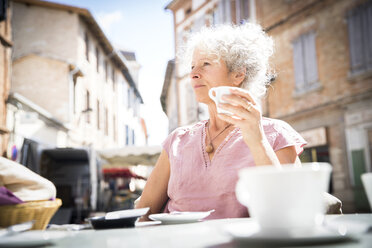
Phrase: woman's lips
(198, 86)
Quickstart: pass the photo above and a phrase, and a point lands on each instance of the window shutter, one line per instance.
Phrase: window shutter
(227, 11)
(219, 14)
(356, 40)
(310, 59)
(245, 9)
(368, 35)
(298, 64)
(3, 9)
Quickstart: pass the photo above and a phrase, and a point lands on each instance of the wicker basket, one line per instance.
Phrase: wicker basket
(40, 211)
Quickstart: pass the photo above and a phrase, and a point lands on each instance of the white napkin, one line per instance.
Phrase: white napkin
(24, 183)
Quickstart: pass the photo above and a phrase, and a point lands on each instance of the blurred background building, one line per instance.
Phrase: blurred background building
(67, 93)
(323, 78)
(5, 65)
(70, 86)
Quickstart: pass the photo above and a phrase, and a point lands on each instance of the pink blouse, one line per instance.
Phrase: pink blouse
(198, 184)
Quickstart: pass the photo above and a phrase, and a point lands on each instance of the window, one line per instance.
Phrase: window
(87, 107)
(188, 11)
(86, 39)
(114, 127)
(192, 105)
(129, 105)
(305, 64)
(74, 94)
(126, 135)
(125, 94)
(97, 58)
(106, 121)
(113, 77)
(3, 10)
(98, 114)
(242, 10)
(133, 137)
(360, 38)
(106, 70)
(222, 13)
(198, 24)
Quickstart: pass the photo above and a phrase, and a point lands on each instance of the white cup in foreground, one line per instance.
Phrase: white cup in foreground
(216, 94)
(367, 183)
(287, 197)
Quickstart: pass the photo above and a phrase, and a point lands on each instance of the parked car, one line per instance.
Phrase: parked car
(76, 176)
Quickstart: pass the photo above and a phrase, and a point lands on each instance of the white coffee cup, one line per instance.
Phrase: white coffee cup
(367, 183)
(290, 197)
(216, 94)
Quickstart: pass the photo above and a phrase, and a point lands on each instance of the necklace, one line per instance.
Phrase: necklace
(209, 148)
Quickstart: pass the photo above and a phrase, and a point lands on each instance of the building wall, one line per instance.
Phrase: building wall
(28, 124)
(5, 71)
(339, 104)
(45, 82)
(51, 69)
(332, 50)
(328, 104)
(38, 30)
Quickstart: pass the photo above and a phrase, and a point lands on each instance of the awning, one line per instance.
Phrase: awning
(130, 155)
(120, 173)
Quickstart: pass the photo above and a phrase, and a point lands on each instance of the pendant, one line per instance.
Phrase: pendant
(209, 148)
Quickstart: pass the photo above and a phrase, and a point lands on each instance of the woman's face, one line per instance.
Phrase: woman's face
(206, 73)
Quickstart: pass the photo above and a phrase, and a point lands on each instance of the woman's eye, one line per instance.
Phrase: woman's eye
(206, 63)
(192, 67)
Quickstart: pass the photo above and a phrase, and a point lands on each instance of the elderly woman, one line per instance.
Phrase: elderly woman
(198, 167)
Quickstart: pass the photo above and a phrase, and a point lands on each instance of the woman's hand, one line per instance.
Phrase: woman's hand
(246, 115)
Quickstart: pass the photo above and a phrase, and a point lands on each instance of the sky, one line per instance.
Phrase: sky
(144, 27)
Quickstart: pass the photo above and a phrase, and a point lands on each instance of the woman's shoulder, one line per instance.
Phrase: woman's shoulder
(281, 134)
(189, 129)
(276, 127)
(270, 124)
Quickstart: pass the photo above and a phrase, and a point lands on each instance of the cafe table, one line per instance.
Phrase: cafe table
(209, 233)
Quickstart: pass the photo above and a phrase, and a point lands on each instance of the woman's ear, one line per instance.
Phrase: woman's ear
(239, 76)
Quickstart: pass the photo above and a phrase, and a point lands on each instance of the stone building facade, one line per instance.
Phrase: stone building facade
(323, 85)
(5, 66)
(323, 77)
(63, 63)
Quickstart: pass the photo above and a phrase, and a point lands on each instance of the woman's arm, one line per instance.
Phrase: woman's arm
(288, 155)
(154, 194)
(248, 117)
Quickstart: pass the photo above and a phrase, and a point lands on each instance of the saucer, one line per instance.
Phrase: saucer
(180, 217)
(250, 233)
(31, 238)
(118, 219)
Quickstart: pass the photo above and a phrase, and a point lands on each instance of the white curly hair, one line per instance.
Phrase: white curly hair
(244, 46)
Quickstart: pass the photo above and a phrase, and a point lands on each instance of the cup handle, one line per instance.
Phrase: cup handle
(242, 196)
(210, 93)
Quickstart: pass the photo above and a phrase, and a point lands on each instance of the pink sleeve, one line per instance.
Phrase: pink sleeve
(168, 142)
(174, 135)
(287, 136)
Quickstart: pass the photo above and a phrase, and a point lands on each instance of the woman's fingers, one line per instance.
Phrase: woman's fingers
(239, 101)
(236, 110)
(244, 94)
(229, 119)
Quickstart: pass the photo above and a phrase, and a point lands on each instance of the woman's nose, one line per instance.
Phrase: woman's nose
(194, 74)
